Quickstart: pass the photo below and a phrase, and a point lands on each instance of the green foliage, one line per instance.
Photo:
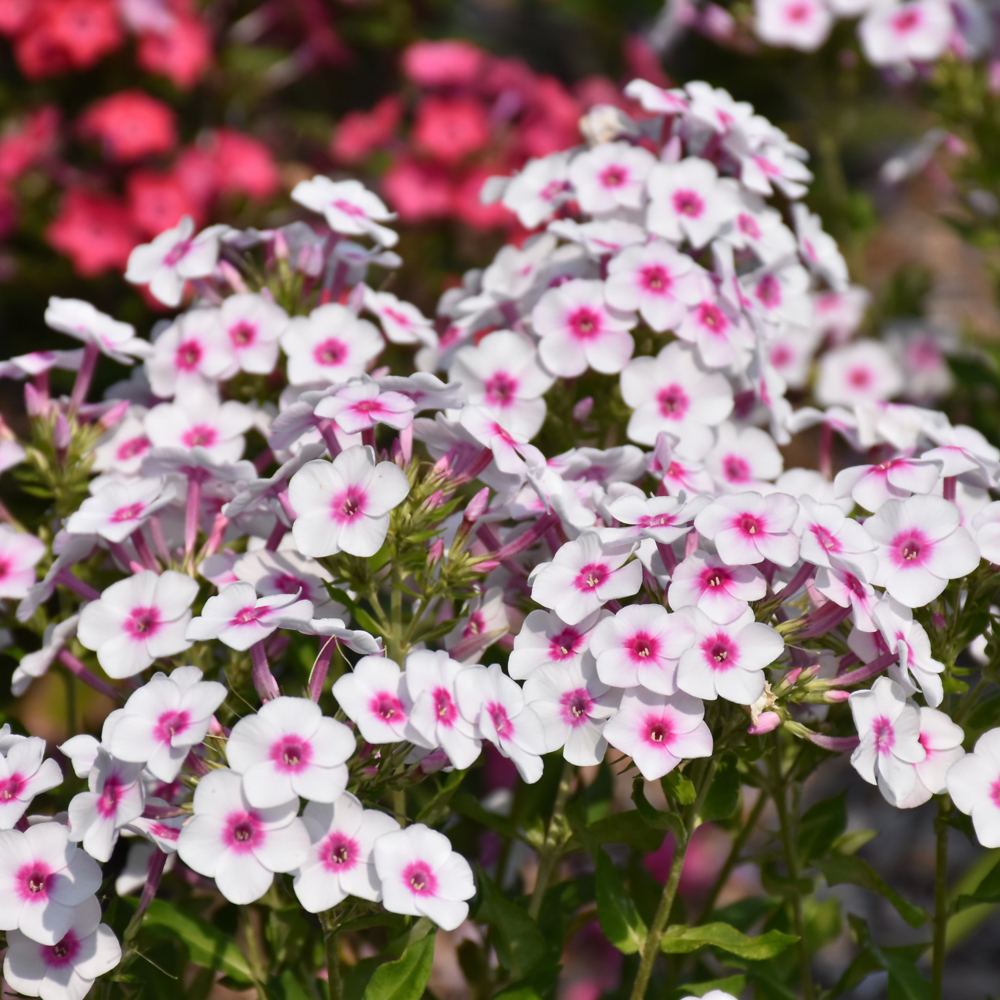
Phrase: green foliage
(680, 940)
(519, 942)
(619, 918)
(406, 978)
(857, 871)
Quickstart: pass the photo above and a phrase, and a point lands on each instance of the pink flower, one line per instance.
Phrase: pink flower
(329, 345)
(348, 208)
(942, 742)
(19, 552)
(719, 590)
(252, 325)
(359, 133)
(641, 645)
(921, 546)
(119, 509)
(199, 423)
(130, 125)
(857, 373)
(610, 176)
(24, 773)
(244, 164)
(799, 24)
(95, 231)
(289, 748)
(361, 405)
(655, 279)
(43, 879)
(687, 201)
(743, 459)
(422, 876)
(895, 479)
(114, 800)
(450, 128)
(374, 696)
(137, 620)
(578, 329)
(582, 577)
(81, 320)
(341, 858)
(748, 528)
(889, 727)
(659, 731)
(66, 969)
(827, 533)
(494, 704)
(172, 258)
(727, 660)
(545, 639)
(894, 33)
(974, 786)
(239, 618)
(443, 63)
(237, 845)
(344, 505)
(165, 719)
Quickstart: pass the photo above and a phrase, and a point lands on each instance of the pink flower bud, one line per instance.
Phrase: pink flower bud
(766, 723)
(837, 696)
(62, 434)
(938, 620)
(582, 409)
(433, 500)
(112, 416)
(34, 401)
(792, 676)
(280, 246)
(435, 551)
(477, 505)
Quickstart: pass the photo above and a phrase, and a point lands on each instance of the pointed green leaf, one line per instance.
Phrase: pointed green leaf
(821, 825)
(724, 793)
(678, 788)
(519, 943)
(616, 912)
(680, 939)
(407, 977)
(857, 871)
(654, 817)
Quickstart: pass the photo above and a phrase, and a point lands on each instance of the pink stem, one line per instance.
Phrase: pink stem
(797, 581)
(74, 583)
(822, 621)
(121, 554)
(368, 437)
(406, 443)
(156, 863)
(263, 680)
(143, 551)
(826, 451)
(263, 460)
(195, 764)
(668, 556)
(286, 506)
(277, 533)
(839, 744)
(77, 669)
(84, 376)
(159, 539)
(864, 673)
(330, 437)
(218, 532)
(320, 668)
(191, 514)
(950, 487)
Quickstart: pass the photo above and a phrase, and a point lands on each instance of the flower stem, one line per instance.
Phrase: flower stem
(551, 850)
(940, 898)
(333, 966)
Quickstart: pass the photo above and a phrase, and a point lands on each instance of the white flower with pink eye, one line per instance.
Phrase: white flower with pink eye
(743, 459)
(889, 727)
(779, 294)
(289, 748)
(915, 669)
(348, 207)
(484, 621)
(361, 404)
(124, 447)
(846, 582)
(921, 546)
(582, 576)
(239, 846)
(687, 201)
(287, 572)
(44, 877)
(423, 877)
(659, 731)
(727, 660)
(502, 374)
(664, 519)
(539, 189)
(495, 705)
(821, 254)
(402, 323)
(546, 639)
(720, 334)
(656, 280)
(964, 453)
(165, 719)
(510, 450)
(894, 479)
(674, 393)
(748, 528)
(721, 591)
(573, 705)
(435, 720)
(343, 506)
(199, 420)
(19, 552)
(894, 33)
(861, 372)
(190, 351)
(987, 527)
(115, 799)
(24, 773)
(118, 509)
(172, 258)
(641, 645)
(578, 329)
(239, 618)
(328, 346)
(974, 786)
(828, 533)
(67, 969)
(137, 620)
(374, 696)
(81, 320)
(36, 664)
(942, 742)
(251, 326)
(797, 24)
(341, 858)
(610, 176)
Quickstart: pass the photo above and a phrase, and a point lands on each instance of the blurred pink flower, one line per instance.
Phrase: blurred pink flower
(130, 125)
(450, 129)
(438, 64)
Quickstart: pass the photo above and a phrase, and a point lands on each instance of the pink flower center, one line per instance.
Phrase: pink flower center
(825, 538)
(340, 853)
(995, 793)
(501, 721)
(111, 795)
(243, 831)
(349, 208)
(291, 754)
(132, 448)
(164, 831)
(444, 707)
(591, 577)
(285, 583)
(170, 724)
(905, 21)
(885, 735)
(736, 469)
(642, 647)
(33, 881)
(656, 279)
(656, 521)
(911, 548)
(859, 378)
(584, 323)
(781, 355)
(348, 505)
(61, 954)
(768, 291)
(247, 615)
(689, 203)
(552, 190)
(720, 652)
(242, 334)
(748, 226)
(798, 12)
(177, 253)
(330, 352)
(189, 353)
(11, 787)
(576, 706)
(657, 731)
(673, 402)
(419, 879)
(715, 576)
(130, 513)
(387, 707)
(501, 389)
(613, 176)
(201, 435)
(143, 623)
(564, 646)
(749, 524)
(711, 319)
(476, 625)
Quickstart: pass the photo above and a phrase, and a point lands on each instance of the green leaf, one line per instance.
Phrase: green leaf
(734, 985)
(857, 871)
(724, 793)
(538, 986)
(680, 939)
(406, 978)
(469, 806)
(821, 825)
(678, 787)
(356, 977)
(619, 919)
(905, 980)
(434, 810)
(206, 944)
(519, 943)
(654, 817)
(988, 891)
(745, 913)
(622, 828)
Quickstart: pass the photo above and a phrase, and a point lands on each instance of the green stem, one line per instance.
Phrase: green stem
(651, 948)
(940, 898)
(254, 959)
(333, 966)
(551, 851)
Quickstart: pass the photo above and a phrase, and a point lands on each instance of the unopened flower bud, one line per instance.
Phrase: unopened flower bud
(477, 505)
(62, 434)
(34, 401)
(112, 416)
(835, 696)
(435, 551)
(280, 246)
(768, 722)
(433, 500)
(938, 620)
(582, 409)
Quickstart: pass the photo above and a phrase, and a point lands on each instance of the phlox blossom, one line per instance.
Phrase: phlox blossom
(251, 326)
(24, 773)
(612, 175)
(239, 618)
(19, 552)
(828, 533)
(81, 320)
(974, 786)
(894, 479)
(799, 24)
(348, 207)
(719, 590)
(173, 257)
(857, 373)
(361, 405)
(546, 639)
(329, 345)
(942, 742)
(115, 798)
(118, 509)
(374, 696)
(894, 33)
(748, 528)
(687, 201)
(742, 459)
